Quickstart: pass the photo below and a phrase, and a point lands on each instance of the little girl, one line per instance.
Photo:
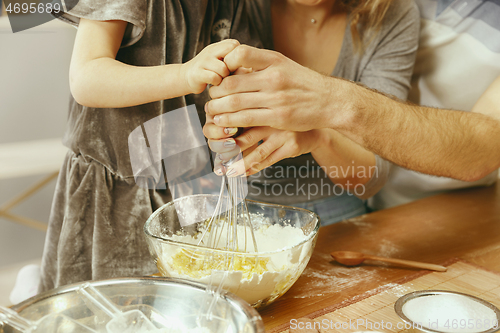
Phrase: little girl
(133, 60)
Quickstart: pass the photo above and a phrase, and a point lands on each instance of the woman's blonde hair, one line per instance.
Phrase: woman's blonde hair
(365, 15)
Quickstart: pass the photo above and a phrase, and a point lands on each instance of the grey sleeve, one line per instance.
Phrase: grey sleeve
(390, 67)
(132, 11)
(393, 50)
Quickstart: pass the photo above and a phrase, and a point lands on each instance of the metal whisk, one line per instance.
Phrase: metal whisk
(231, 210)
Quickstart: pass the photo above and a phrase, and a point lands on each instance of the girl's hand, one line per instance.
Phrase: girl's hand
(208, 66)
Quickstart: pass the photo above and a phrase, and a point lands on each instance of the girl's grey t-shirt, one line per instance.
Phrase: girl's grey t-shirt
(385, 64)
(159, 32)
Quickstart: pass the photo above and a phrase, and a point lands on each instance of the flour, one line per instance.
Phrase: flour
(361, 221)
(387, 248)
(398, 289)
(252, 277)
(333, 278)
(450, 313)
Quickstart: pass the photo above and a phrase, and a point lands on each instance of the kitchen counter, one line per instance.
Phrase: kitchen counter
(463, 224)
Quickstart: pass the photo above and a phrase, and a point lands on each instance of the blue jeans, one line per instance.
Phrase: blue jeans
(335, 208)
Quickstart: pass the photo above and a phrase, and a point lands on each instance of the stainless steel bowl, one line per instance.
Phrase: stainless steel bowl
(163, 300)
(400, 311)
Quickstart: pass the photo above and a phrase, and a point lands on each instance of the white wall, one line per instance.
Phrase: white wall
(34, 97)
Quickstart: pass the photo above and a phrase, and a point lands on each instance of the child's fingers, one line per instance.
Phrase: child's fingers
(222, 48)
(210, 77)
(218, 67)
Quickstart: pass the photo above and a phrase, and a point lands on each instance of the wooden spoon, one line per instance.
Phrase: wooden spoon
(350, 258)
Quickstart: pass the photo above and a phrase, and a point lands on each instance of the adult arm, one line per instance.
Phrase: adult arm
(282, 94)
(455, 144)
(97, 79)
(387, 65)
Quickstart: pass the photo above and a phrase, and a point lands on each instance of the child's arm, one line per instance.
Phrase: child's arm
(98, 80)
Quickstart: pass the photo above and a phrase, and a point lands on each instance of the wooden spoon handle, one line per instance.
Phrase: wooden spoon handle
(408, 263)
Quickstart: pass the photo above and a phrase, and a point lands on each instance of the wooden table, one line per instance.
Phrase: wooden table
(462, 224)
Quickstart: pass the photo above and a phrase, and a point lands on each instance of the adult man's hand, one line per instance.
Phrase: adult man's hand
(278, 93)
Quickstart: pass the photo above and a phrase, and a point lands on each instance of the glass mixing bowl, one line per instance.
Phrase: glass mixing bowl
(285, 240)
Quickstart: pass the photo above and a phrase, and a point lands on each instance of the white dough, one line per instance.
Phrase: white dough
(280, 270)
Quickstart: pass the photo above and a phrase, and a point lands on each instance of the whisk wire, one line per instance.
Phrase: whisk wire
(230, 212)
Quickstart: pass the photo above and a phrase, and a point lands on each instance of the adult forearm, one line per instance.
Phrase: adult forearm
(284, 95)
(461, 145)
(344, 162)
(107, 83)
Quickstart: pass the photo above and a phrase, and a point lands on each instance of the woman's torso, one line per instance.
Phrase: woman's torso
(301, 175)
